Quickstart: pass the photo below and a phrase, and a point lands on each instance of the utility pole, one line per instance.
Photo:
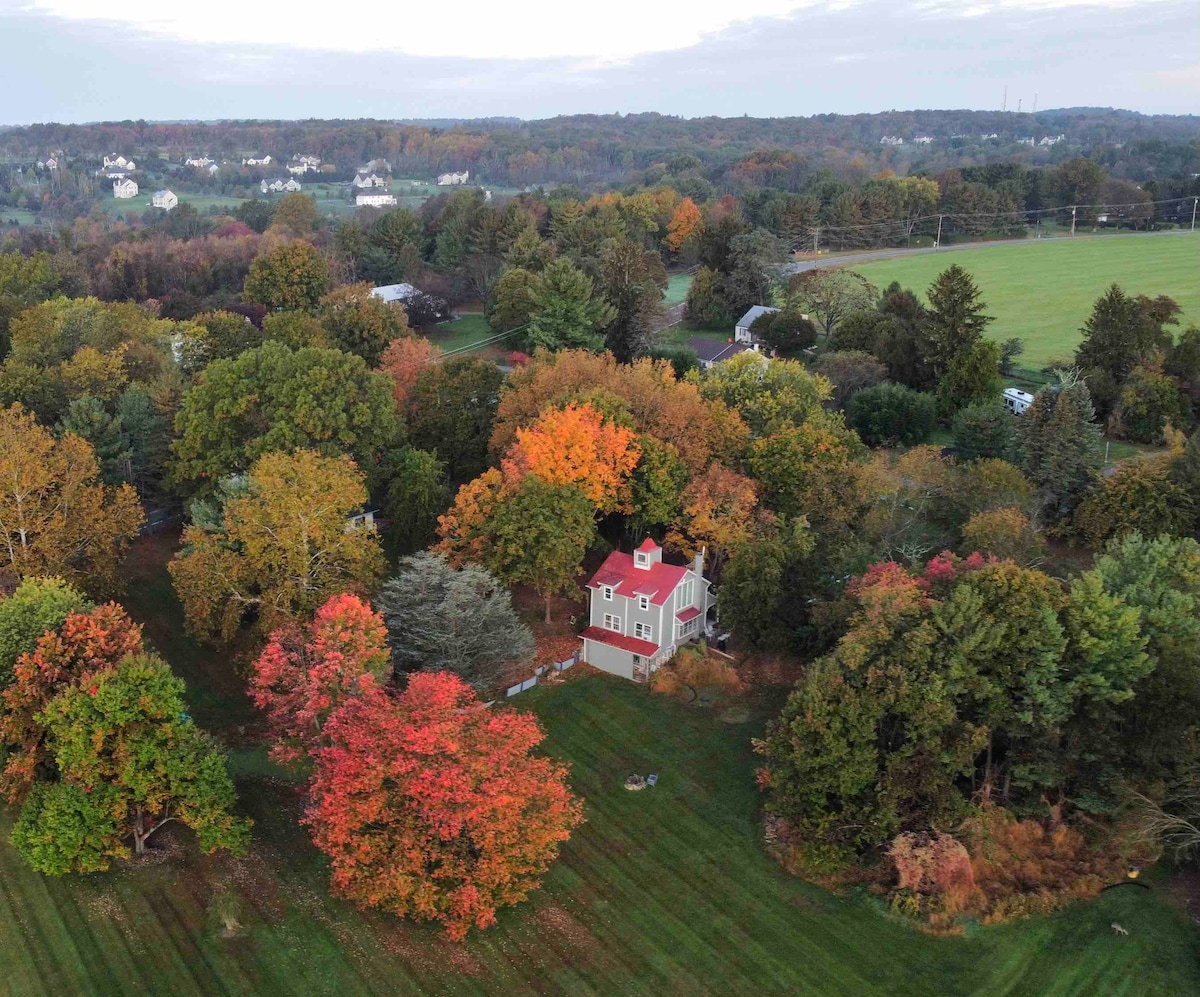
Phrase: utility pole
(816, 237)
(1195, 200)
(1004, 106)
(1019, 99)
(1035, 102)
(938, 240)
(1073, 207)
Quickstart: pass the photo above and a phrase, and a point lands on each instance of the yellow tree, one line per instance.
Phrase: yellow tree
(717, 514)
(55, 516)
(282, 546)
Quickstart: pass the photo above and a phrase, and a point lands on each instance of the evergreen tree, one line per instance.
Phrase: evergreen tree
(1060, 443)
(86, 417)
(955, 320)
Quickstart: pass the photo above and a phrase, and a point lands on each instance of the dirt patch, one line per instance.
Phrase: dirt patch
(560, 921)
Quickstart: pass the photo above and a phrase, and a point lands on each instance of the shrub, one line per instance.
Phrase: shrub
(892, 413)
(1149, 400)
(1005, 533)
(699, 668)
(850, 371)
(985, 429)
(934, 863)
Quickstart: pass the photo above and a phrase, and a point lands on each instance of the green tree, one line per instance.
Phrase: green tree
(291, 277)
(891, 413)
(24, 281)
(216, 335)
(973, 376)
(295, 215)
(830, 294)
(761, 596)
(632, 281)
(705, 304)
(955, 321)
(1059, 443)
(89, 420)
(1150, 401)
(125, 739)
(657, 483)
(36, 606)
(357, 322)
(566, 313)
(256, 213)
(441, 618)
(537, 536)
(511, 301)
(984, 429)
(274, 398)
(453, 405)
(148, 432)
(417, 493)
(768, 394)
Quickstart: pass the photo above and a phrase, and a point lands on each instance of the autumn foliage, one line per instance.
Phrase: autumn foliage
(404, 361)
(304, 674)
(431, 806)
(84, 644)
(574, 446)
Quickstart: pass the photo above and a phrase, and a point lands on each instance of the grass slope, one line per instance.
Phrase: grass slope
(1043, 291)
(666, 891)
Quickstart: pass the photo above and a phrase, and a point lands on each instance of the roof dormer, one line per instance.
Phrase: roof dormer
(647, 555)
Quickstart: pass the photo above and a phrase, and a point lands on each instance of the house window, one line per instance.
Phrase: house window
(607, 592)
(643, 630)
(686, 629)
(640, 559)
(643, 602)
(687, 592)
(612, 622)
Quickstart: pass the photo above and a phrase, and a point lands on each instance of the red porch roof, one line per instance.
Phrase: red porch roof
(634, 644)
(684, 615)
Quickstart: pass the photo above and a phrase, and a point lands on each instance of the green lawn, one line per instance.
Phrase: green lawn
(462, 331)
(666, 891)
(18, 215)
(677, 289)
(1043, 291)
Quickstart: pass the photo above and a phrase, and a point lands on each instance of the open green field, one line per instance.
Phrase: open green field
(666, 891)
(1042, 291)
(677, 289)
(462, 331)
(19, 216)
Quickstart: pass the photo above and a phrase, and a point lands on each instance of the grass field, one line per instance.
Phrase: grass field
(666, 891)
(1042, 291)
(677, 289)
(462, 331)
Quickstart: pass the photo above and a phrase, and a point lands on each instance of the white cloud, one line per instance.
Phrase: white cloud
(615, 29)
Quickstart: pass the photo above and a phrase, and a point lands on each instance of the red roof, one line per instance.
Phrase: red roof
(657, 581)
(648, 545)
(687, 614)
(634, 644)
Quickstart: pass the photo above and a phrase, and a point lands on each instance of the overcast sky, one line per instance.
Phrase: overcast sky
(77, 60)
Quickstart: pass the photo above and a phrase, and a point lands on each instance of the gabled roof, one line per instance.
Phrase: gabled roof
(609, 637)
(657, 581)
(754, 312)
(712, 350)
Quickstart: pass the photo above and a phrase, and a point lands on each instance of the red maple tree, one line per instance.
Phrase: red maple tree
(305, 673)
(431, 806)
(85, 643)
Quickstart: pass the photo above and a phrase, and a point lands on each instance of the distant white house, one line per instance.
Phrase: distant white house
(125, 188)
(363, 180)
(453, 179)
(113, 172)
(302, 164)
(378, 165)
(120, 161)
(289, 185)
(922, 139)
(374, 197)
(891, 140)
(1017, 401)
(257, 161)
(393, 292)
(198, 162)
(164, 199)
(1052, 139)
(213, 169)
(741, 331)
(52, 163)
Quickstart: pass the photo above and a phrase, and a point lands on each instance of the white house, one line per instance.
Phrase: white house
(1052, 139)
(290, 185)
(642, 609)
(922, 139)
(257, 161)
(741, 332)
(363, 180)
(453, 179)
(213, 169)
(302, 164)
(1017, 401)
(125, 188)
(891, 140)
(164, 199)
(199, 162)
(52, 163)
(374, 197)
(120, 162)
(393, 292)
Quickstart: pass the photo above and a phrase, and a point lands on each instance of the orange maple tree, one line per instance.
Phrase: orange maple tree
(305, 673)
(684, 224)
(574, 446)
(85, 643)
(432, 806)
(404, 360)
(718, 513)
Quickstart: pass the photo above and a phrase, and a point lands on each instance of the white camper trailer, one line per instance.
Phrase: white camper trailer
(1017, 401)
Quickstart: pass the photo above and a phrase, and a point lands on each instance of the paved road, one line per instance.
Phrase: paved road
(873, 255)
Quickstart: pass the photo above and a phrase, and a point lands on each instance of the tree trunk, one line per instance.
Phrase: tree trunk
(547, 598)
(139, 833)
